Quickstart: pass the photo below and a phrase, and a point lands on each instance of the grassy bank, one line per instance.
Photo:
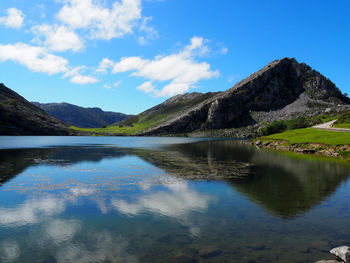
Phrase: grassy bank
(309, 141)
(114, 130)
(310, 135)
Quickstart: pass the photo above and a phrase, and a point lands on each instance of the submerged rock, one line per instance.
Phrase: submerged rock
(342, 253)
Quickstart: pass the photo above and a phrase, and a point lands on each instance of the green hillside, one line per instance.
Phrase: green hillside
(154, 116)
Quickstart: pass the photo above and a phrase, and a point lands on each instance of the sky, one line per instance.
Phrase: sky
(129, 55)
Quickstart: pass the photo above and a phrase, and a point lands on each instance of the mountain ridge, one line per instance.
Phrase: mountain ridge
(265, 95)
(20, 117)
(74, 115)
(283, 89)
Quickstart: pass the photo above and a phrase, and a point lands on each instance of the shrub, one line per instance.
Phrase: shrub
(298, 123)
(344, 118)
(274, 127)
(283, 125)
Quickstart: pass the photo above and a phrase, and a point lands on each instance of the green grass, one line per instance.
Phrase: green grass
(147, 119)
(343, 121)
(324, 117)
(310, 135)
(343, 125)
(135, 129)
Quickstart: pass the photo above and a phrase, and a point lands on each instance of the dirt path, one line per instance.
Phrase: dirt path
(328, 126)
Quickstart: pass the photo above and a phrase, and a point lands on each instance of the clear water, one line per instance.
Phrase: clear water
(110, 199)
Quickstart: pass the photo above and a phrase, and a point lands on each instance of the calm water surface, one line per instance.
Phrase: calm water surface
(110, 199)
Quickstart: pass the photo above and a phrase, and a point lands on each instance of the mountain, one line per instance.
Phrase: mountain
(82, 117)
(282, 89)
(20, 117)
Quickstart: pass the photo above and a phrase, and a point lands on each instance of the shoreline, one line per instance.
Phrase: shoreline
(310, 148)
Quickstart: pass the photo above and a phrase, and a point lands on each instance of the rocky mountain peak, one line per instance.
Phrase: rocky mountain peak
(279, 90)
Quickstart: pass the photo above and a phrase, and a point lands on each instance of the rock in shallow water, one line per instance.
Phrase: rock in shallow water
(342, 253)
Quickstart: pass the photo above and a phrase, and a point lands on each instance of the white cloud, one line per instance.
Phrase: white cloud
(147, 87)
(80, 79)
(57, 38)
(14, 18)
(224, 50)
(41, 8)
(102, 22)
(77, 77)
(104, 65)
(117, 83)
(73, 72)
(149, 32)
(129, 64)
(180, 69)
(37, 59)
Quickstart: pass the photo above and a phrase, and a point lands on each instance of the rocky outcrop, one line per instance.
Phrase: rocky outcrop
(282, 89)
(20, 117)
(342, 253)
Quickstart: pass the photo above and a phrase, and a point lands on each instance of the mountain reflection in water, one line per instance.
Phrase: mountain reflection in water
(284, 186)
(77, 202)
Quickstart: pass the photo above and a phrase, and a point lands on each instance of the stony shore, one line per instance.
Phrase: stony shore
(316, 149)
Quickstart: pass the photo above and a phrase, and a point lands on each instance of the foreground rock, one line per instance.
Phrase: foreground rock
(342, 253)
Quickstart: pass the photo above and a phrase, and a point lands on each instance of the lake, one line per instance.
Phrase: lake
(144, 199)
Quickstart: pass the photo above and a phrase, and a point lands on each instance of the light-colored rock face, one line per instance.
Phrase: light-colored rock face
(342, 253)
(327, 261)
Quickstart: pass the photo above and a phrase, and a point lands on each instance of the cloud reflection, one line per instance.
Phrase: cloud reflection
(31, 211)
(178, 201)
(59, 230)
(9, 251)
(103, 247)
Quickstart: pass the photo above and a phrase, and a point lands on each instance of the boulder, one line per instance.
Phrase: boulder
(342, 253)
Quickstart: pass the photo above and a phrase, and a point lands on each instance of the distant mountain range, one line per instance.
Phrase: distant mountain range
(82, 117)
(282, 89)
(20, 117)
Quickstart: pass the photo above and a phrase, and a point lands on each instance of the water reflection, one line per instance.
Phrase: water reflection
(9, 251)
(31, 211)
(282, 185)
(186, 201)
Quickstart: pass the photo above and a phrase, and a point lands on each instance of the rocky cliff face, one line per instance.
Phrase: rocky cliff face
(280, 90)
(20, 117)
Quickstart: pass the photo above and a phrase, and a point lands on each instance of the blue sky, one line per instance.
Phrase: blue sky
(129, 55)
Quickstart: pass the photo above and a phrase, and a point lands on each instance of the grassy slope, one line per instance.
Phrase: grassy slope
(343, 121)
(310, 135)
(148, 120)
(343, 125)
